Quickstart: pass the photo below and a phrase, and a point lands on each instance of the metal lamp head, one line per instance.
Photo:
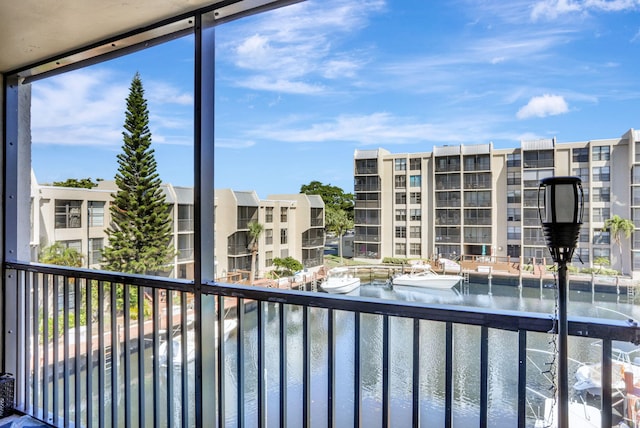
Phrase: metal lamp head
(560, 208)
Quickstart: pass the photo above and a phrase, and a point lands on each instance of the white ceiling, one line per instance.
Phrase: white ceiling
(33, 31)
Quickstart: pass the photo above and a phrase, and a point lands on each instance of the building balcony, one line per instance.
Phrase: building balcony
(221, 335)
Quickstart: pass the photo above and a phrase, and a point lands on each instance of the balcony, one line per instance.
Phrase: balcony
(86, 346)
(52, 384)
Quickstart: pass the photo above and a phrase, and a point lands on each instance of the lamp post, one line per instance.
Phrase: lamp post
(560, 213)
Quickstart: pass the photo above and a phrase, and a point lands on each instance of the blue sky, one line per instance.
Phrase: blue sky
(300, 88)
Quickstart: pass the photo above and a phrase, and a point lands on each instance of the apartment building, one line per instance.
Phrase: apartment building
(481, 201)
(78, 218)
(293, 226)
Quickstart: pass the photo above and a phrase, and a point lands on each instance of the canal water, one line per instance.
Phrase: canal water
(503, 358)
(503, 362)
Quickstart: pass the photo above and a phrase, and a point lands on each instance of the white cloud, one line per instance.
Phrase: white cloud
(552, 9)
(268, 83)
(295, 43)
(377, 129)
(230, 143)
(87, 108)
(545, 105)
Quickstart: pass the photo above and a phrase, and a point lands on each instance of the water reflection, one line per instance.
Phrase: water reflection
(503, 358)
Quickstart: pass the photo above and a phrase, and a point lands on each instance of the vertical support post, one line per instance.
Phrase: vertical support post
(204, 208)
(563, 338)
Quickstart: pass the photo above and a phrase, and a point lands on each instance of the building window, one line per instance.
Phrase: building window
(477, 180)
(602, 252)
(477, 163)
(477, 199)
(415, 181)
(283, 236)
(635, 174)
(401, 248)
(601, 194)
(284, 212)
(416, 198)
(513, 177)
(401, 215)
(401, 232)
(400, 181)
(415, 214)
(268, 258)
(532, 178)
(68, 214)
(476, 216)
(580, 154)
(96, 213)
(582, 174)
(601, 173)
(513, 250)
(514, 232)
(415, 164)
(400, 164)
(367, 166)
(268, 236)
(602, 237)
(95, 250)
(447, 234)
(185, 246)
(448, 216)
(513, 196)
(74, 244)
(447, 199)
(600, 153)
(538, 159)
(635, 195)
(580, 255)
(513, 160)
(448, 163)
(513, 214)
(415, 231)
(415, 249)
(447, 181)
(600, 214)
(401, 198)
(268, 215)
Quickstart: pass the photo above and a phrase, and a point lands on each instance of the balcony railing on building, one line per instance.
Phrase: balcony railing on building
(140, 338)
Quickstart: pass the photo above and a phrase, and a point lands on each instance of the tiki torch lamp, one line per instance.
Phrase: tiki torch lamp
(560, 207)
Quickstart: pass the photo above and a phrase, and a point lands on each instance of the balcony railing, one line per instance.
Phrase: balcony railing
(92, 353)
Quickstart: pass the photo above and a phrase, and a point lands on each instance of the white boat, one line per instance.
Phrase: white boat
(589, 376)
(580, 415)
(340, 280)
(424, 276)
(445, 296)
(449, 265)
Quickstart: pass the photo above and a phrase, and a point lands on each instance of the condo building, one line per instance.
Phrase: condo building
(293, 225)
(476, 200)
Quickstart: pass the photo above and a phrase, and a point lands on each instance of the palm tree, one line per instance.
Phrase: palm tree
(601, 261)
(617, 226)
(255, 230)
(338, 221)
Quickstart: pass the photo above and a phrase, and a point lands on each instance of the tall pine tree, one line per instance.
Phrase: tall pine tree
(140, 229)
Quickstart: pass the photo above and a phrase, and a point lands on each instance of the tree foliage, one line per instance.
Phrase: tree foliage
(337, 220)
(140, 231)
(619, 226)
(286, 266)
(332, 196)
(83, 183)
(255, 230)
(58, 254)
